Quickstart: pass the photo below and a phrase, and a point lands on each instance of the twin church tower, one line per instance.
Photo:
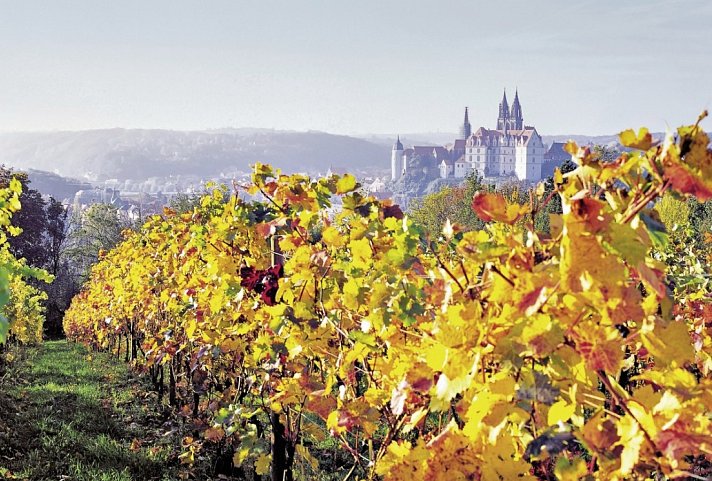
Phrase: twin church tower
(512, 149)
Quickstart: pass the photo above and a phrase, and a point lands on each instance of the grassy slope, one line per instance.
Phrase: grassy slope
(65, 418)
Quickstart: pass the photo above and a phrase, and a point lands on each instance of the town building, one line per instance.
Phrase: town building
(554, 157)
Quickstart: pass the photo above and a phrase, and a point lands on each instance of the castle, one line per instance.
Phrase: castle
(512, 149)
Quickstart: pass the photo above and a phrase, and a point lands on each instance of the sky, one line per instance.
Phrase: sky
(353, 67)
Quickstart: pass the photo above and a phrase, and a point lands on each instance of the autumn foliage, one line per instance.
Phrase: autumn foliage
(505, 353)
(21, 303)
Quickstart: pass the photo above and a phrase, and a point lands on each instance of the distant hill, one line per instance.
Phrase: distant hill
(59, 187)
(420, 138)
(440, 138)
(610, 140)
(139, 154)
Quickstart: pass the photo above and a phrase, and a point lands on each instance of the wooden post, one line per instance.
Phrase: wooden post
(172, 384)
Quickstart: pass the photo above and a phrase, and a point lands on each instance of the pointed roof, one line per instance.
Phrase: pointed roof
(466, 127)
(516, 106)
(398, 145)
(557, 153)
(504, 106)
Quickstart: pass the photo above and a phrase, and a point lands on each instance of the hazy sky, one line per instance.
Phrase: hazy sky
(356, 66)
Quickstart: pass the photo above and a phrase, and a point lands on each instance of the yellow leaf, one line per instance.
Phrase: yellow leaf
(333, 237)
(361, 253)
(263, 463)
(217, 301)
(347, 183)
(670, 345)
(668, 404)
(187, 457)
(632, 439)
(307, 456)
(446, 389)
(688, 166)
(332, 423)
(560, 411)
(495, 207)
(436, 357)
(642, 141)
(190, 326)
(566, 470)
(558, 177)
(240, 455)
(401, 457)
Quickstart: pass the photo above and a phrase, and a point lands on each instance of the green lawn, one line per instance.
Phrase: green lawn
(71, 415)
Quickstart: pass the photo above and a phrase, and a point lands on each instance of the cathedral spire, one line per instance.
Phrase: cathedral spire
(517, 120)
(503, 118)
(466, 128)
(504, 106)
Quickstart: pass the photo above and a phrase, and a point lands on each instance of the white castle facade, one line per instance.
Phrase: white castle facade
(512, 149)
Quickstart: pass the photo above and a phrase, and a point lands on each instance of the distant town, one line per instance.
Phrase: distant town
(508, 151)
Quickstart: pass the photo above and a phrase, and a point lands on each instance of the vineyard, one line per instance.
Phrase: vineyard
(313, 315)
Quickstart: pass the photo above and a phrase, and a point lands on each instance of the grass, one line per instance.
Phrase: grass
(70, 415)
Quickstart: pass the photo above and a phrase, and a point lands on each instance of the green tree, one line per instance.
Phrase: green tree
(700, 216)
(65, 286)
(185, 202)
(41, 243)
(454, 203)
(32, 242)
(97, 228)
(605, 152)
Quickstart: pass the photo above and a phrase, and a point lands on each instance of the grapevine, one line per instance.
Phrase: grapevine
(505, 353)
(21, 308)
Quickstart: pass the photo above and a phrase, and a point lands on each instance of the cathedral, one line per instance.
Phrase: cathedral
(512, 149)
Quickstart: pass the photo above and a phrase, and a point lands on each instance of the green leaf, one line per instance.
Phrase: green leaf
(627, 243)
(4, 328)
(566, 470)
(656, 229)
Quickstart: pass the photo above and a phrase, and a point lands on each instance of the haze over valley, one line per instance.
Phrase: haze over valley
(92, 157)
